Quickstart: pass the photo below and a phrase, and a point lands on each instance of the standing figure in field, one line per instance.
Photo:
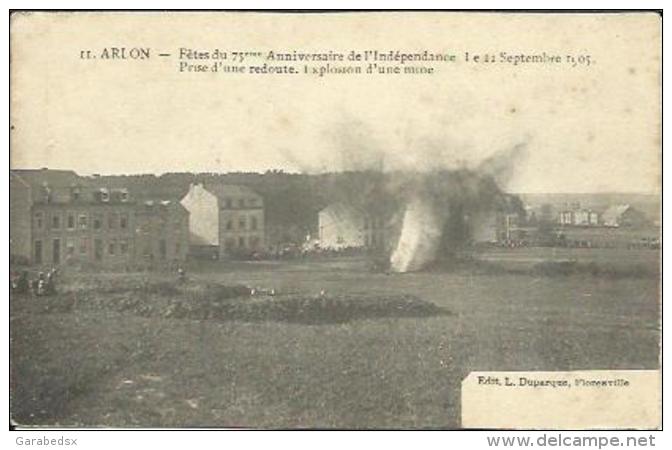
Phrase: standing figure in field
(20, 283)
(50, 285)
(39, 285)
(181, 275)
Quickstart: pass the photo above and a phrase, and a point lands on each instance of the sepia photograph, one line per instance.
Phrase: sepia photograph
(382, 220)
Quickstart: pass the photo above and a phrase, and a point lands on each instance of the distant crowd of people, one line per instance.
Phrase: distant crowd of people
(293, 251)
(45, 283)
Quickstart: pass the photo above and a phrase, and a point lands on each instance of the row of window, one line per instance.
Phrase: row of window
(111, 247)
(242, 224)
(252, 242)
(80, 221)
(240, 203)
(163, 249)
(162, 226)
(114, 246)
(102, 194)
(81, 247)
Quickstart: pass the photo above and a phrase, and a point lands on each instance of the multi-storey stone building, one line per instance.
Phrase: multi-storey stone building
(162, 231)
(86, 225)
(225, 219)
(26, 188)
(58, 217)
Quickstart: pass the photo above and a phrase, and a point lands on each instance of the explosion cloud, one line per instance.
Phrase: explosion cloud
(437, 205)
(420, 238)
(433, 198)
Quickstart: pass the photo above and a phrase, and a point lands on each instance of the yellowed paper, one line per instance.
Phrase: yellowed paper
(581, 400)
(328, 220)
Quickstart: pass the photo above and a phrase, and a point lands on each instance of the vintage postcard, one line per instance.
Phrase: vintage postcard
(335, 220)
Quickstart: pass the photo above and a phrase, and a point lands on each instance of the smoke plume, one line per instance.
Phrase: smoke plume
(434, 203)
(420, 237)
(438, 204)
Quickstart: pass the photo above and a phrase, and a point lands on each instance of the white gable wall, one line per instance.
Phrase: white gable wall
(340, 227)
(203, 208)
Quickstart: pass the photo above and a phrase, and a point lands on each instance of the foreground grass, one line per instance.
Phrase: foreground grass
(104, 368)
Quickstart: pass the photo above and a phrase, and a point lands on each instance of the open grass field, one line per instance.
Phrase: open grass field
(105, 367)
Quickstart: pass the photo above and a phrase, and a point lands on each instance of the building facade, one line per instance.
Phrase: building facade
(87, 225)
(344, 226)
(624, 216)
(341, 226)
(495, 226)
(58, 218)
(26, 188)
(203, 207)
(162, 232)
(20, 204)
(226, 218)
(580, 217)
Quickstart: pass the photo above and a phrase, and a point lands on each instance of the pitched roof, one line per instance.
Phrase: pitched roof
(230, 190)
(39, 177)
(54, 183)
(164, 205)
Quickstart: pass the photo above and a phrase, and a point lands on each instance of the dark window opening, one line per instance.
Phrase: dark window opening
(56, 251)
(83, 221)
(228, 245)
(38, 252)
(83, 244)
(98, 249)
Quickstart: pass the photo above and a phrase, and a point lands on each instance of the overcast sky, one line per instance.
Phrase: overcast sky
(584, 129)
